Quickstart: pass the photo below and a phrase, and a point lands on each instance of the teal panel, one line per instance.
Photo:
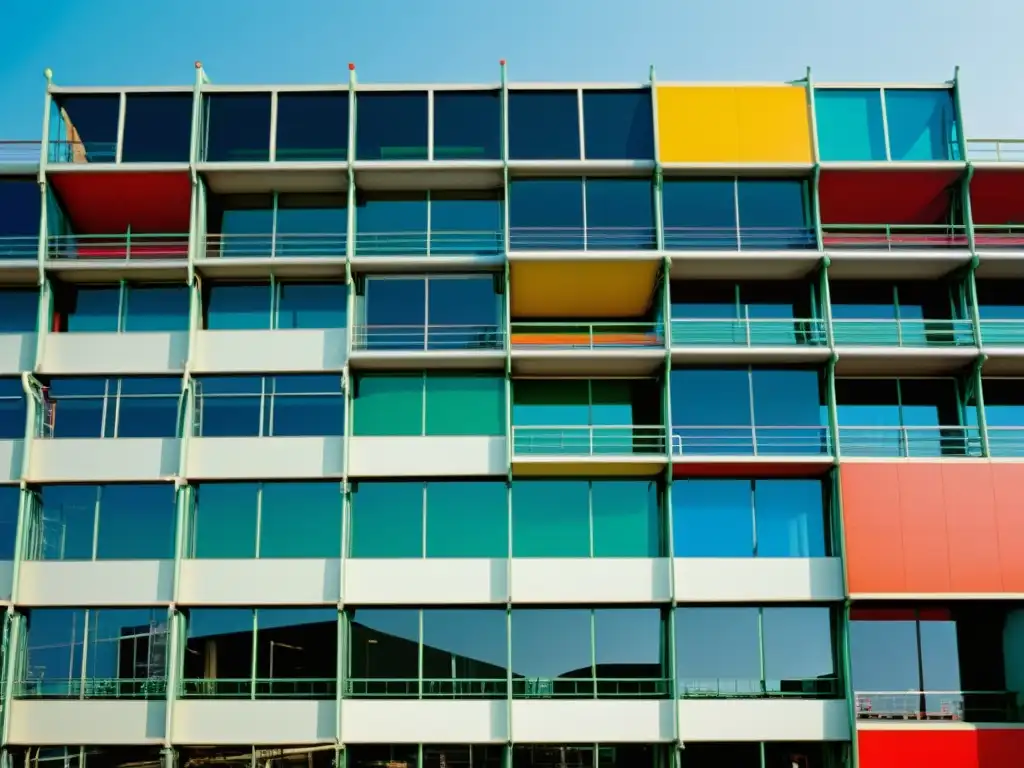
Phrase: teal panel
(224, 524)
(551, 403)
(388, 405)
(465, 405)
(849, 124)
(300, 520)
(627, 519)
(387, 520)
(550, 518)
(467, 519)
(922, 125)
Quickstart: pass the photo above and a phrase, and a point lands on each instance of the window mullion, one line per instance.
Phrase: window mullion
(259, 518)
(97, 502)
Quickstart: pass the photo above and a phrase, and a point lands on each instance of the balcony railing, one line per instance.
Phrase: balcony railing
(998, 150)
(14, 247)
(748, 332)
(955, 706)
(1010, 236)
(740, 239)
(19, 152)
(133, 247)
(82, 151)
(751, 441)
(893, 237)
(91, 688)
(903, 333)
(588, 336)
(280, 245)
(582, 239)
(411, 688)
(910, 442)
(729, 688)
(431, 338)
(522, 688)
(260, 688)
(1002, 333)
(434, 243)
(588, 441)
(1005, 442)
(587, 688)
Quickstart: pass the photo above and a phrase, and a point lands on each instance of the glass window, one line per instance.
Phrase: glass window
(790, 518)
(312, 305)
(238, 306)
(84, 128)
(310, 225)
(620, 214)
(546, 214)
(467, 519)
(773, 214)
(618, 125)
(93, 309)
(551, 643)
(395, 310)
(384, 645)
(68, 522)
(79, 407)
(731, 664)
(136, 522)
(157, 128)
(12, 409)
(21, 203)
(464, 644)
(240, 226)
(391, 224)
(237, 127)
(922, 125)
(543, 125)
(465, 405)
(148, 407)
(627, 518)
(628, 643)
(564, 402)
(467, 125)
(229, 406)
(551, 519)
(798, 650)
(156, 308)
(884, 651)
(21, 310)
(391, 126)
(466, 224)
(314, 532)
(700, 214)
(704, 425)
(312, 126)
(224, 522)
(387, 520)
(788, 411)
(307, 406)
(849, 124)
(10, 496)
(462, 313)
(712, 518)
(388, 405)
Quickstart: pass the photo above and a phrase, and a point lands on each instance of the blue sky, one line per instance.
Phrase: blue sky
(143, 42)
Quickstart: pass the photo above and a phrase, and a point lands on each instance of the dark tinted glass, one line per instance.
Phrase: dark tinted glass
(391, 126)
(546, 214)
(543, 125)
(467, 125)
(618, 125)
(312, 126)
(157, 128)
(237, 127)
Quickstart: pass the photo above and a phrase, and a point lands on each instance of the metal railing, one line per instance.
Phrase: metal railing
(748, 332)
(588, 441)
(19, 247)
(959, 706)
(893, 237)
(427, 338)
(582, 239)
(280, 245)
(260, 688)
(65, 151)
(588, 336)
(739, 238)
(751, 441)
(588, 687)
(133, 247)
(411, 688)
(433, 243)
(91, 688)
(739, 688)
(999, 150)
(1002, 333)
(1005, 442)
(1010, 236)
(909, 332)
(910, 442)
(19, 152)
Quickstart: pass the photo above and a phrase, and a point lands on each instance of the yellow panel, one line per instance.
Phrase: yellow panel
(747, 124)
(583, 290)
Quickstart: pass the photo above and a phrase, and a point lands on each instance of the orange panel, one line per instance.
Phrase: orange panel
(971, 524)
(1008, 489)
(871, 522)
(923, 521)
(583, 339)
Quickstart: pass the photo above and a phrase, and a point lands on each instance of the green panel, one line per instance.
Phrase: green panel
(550, 518)
(224, 524)
(465, 405)
(627, 519)
(564, 403)
(387, 520)
(467, 519)
(388, 405)
(300, 520)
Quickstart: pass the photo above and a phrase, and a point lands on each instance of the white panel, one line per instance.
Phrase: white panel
(43, 722)
(6, 578)
(269, 351)
(763, 720)
(95, 459)
(259, 582)
(206, 721)
(426, 581)
(758, 579)
(382, 721)
(108, 582)
(112, 353)
(11, 452)
(264, 457)
(17, 353)
(427, 456)
(590, 580)
(591, 720)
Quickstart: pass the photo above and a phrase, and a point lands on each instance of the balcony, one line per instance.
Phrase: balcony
(19, 247)
(91, 688)
(126, 247)
(423, 338)
(740, 239)
(587, 348)
(1006, 442)
(903, 333)
(247, 688)
(768, 442)
(996, 150)
(19, 155)
(746, 339)
(72, 151)
(909, 442)
(638, 449)
(893, 237)
(291, 245)
(723, 688)
(939, 706)
(999, 236)
(436, 243)
(582, 239)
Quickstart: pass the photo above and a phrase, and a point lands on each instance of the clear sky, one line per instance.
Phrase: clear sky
(148, 42)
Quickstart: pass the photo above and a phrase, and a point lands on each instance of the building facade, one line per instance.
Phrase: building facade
(512, 426)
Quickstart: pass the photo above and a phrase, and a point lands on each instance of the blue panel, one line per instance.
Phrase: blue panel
(790, 517)
(235, 307)
(620, 214)
(78, 408)
(312, 305)
(20, 210)
(392, 225)
(546, 214)
(467, 125)
(237, 127)
(316, 532)
(699, 214)
(712, 518)
(308, 406)
(788, 411)
(224, 523)
(718, 425)
(849, 124)
(69, 521)
(94, 309)
(463, 313)
(311, 225)
(922, 125)
(618, 125)
(773, 214)
(21, 310)
(391, 126)
(157, 308)
(543, 125)
(229, 406)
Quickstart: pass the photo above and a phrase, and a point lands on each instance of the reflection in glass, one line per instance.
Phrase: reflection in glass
(728, 666)
(384, 652)
(467, 519)
(224, 520)
(467, 125)
(156, 308)
(700, 214)
(465, 652)
(798, 651)
(551, 649)
(388, 404)
(237, 306)
(386, 520)
(21, 309)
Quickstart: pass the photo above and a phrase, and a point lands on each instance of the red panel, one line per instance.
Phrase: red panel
(922, 520)
(108, 203)
(920, 749)
(1000, 749)
(997, 196)
(1008, 492)
(885, 197)
(681, 468)
(971, 524)
(871, 522)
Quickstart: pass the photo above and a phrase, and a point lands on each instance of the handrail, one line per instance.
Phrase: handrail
(739, 238)
(69, 151)
(999, 150)
(591, 687)
(522, 687)
(436, 242)
(582, 238)
(910, 441)
(755, 440)
(893, 236)
(963, 706)
(1006, 442)
(260, 688)
(19, 152)
(903, 332)
(279, 245)
(132, 247)
(741, 688)
(422, 338)
(566, 335)
(748, 332)
(91, 688)
(19, 246)
(597, 440)
(999, 235)
(452, 688)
